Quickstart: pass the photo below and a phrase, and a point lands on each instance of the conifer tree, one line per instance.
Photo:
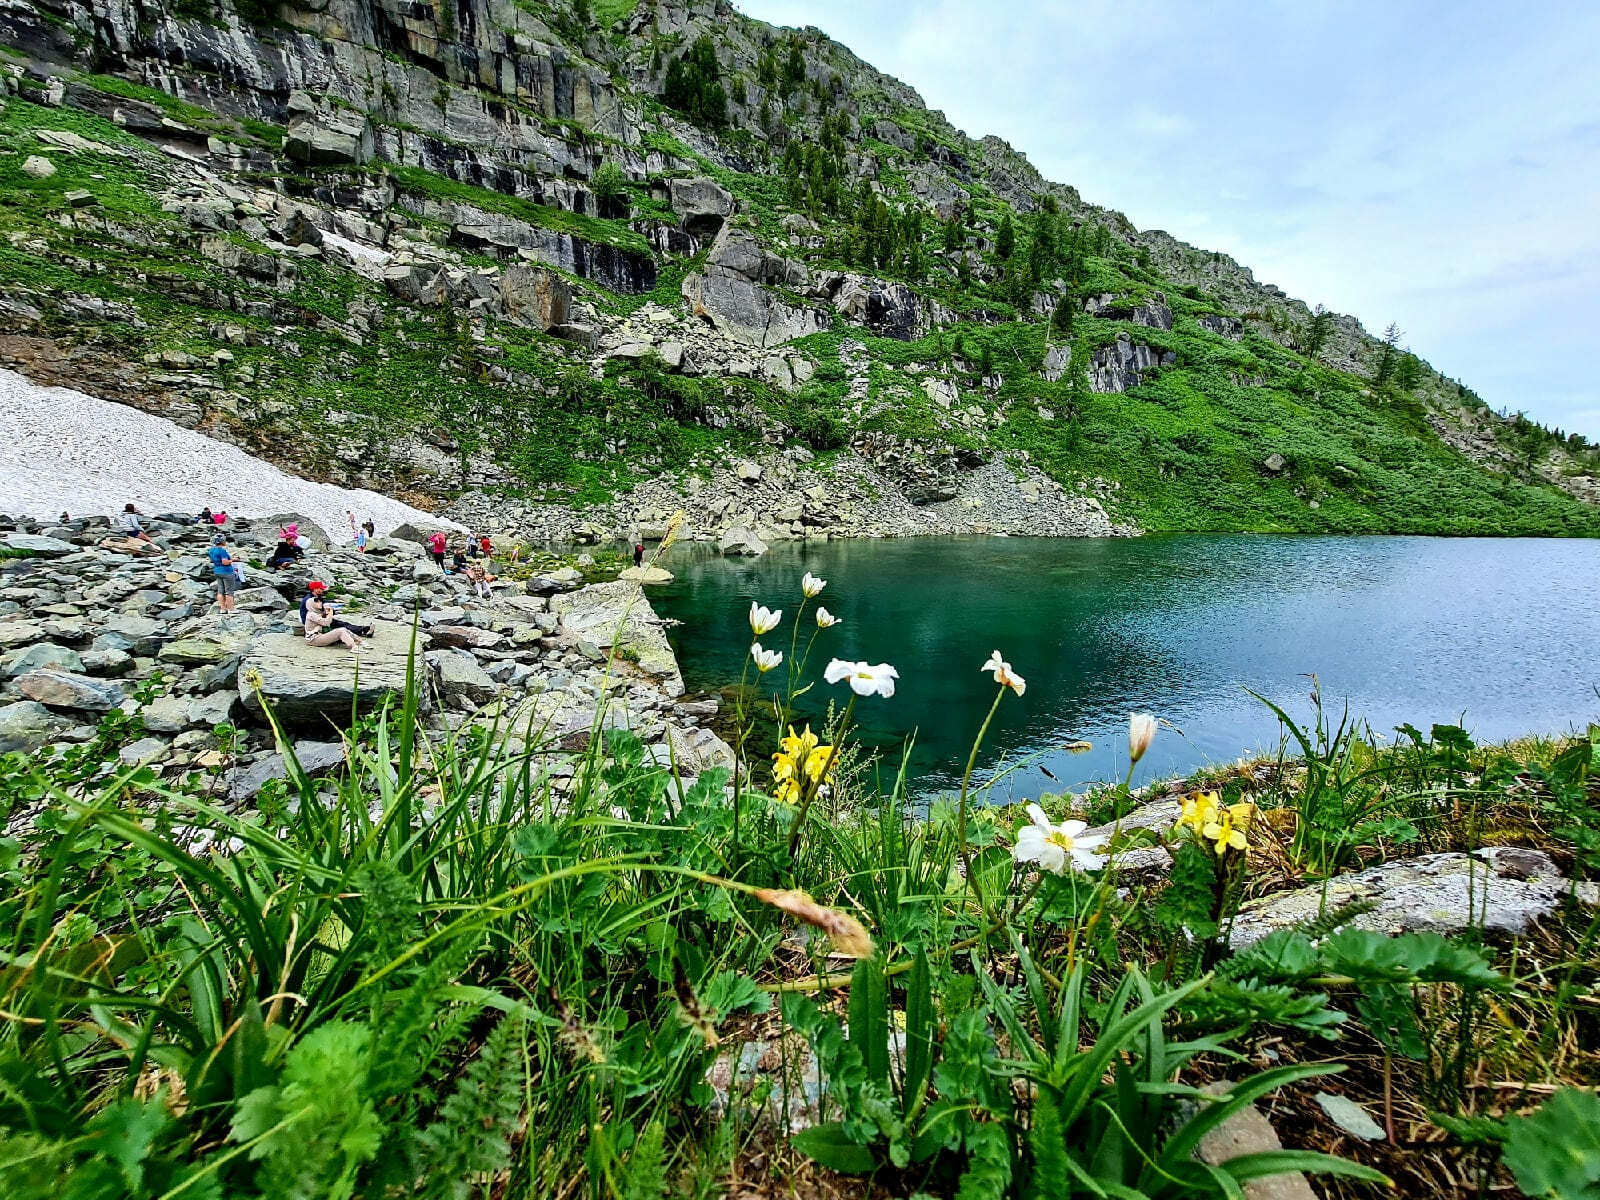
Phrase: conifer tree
(1006, 239)
(1317, 332)
(1386, 359)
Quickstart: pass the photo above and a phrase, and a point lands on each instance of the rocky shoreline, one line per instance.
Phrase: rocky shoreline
(90, 630)
(794, 495)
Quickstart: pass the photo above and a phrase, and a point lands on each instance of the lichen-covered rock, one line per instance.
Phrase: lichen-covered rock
(27, 725)
(702, 205)
(1506, 889)
(63, 689)
(618, 614)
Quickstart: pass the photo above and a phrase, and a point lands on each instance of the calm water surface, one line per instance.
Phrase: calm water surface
(1502, 635)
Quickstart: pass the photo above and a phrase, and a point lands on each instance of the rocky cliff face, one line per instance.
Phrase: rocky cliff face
(482, 244)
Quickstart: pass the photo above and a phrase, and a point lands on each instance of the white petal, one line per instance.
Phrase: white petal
(840, 669)
(1073, 828)
(1038, 816)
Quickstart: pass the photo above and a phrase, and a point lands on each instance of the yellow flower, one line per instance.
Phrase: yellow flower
(1225, 834)
(1199, 810)
(799, 764)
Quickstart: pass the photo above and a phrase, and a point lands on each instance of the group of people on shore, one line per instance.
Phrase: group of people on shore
(471, 556)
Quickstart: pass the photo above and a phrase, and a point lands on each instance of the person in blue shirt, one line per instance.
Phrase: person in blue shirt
(224, 572)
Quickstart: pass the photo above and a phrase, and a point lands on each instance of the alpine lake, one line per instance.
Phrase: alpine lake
(1501, 636)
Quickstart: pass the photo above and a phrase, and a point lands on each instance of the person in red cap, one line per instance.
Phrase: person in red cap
(317, 593)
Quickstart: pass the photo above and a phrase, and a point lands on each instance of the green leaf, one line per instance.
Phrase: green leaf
(869, 1017)
(919, 1029)
(1310, 1162)
(828, 1145)
(125, 1133)
(1555, 1151)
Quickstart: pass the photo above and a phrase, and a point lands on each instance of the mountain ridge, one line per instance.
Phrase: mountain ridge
(641, 248)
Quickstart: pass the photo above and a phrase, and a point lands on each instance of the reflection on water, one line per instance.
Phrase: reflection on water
(1503, 634)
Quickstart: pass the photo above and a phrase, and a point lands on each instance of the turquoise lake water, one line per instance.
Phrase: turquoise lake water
(1500, 635)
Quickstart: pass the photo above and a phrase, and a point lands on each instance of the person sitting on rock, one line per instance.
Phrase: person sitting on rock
(131, 527)
(317, 591)
(224, 572)
(458, 561)
(205, 517)
(284, 553)
(481, 579)
(321, 628)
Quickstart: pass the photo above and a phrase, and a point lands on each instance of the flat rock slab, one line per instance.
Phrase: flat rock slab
(63, 689)
(38, 545)
(617, 614)
(313, 685)
(647, 574)
(1506, 889)
(315, 759)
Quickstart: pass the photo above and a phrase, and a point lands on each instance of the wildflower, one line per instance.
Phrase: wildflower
(798, 764)
(1004, 675)
(864, 680)
(811, 586)
(1226, 828)
(1052, 846)
(849, 938)
(763, 620)
(1141, 732)
(765, 659)
(1199, 810)
(825, 619)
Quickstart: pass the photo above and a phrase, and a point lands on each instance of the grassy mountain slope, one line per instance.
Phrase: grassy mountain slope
(1021, 321)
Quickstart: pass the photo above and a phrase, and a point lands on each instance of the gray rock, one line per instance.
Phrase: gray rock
(41, 656)
(27, 725)
(36, 167)
(146, 749)
(747, 312)
(618, 614)
(132, 634)
(535, 296)
(1505, 889)
(107, 662)
(38, 545)
(702, 205)
(465, 637)
(316, 685)
(1350, 1116)
(457, 675)
(741, 542)
(167, 714)
(316, 759)
(63, 689)
(19, 633)
(1275, 463)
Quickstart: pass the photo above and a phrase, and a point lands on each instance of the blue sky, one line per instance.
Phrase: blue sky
(1433, 164)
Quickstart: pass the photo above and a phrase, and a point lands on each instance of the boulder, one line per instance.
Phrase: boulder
(536, 297)
(647, 574)
(132, 634)
(27, 725)
(1275, 463)
(618, 614)
(63, 689)
(465, 637)
(421, 531)
(41, 656)
(19, 633)
(1506, 889)
(315, 758)
(702, 205)
(35, 167)
(324, 135)
(747, 471)
(38, 546)
(740, 542)
(146, 749)
(198, 651)
(747, 312)
(456, 674)
(315, 686)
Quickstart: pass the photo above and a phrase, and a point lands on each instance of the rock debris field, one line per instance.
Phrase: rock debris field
(63, 451)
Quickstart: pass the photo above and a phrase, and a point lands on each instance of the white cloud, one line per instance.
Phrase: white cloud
(1433, 167)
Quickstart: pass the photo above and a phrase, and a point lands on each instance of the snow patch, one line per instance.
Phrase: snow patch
(64, 451)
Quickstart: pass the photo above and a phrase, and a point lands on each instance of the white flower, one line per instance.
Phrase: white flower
(765, 659)
(811, 585)
(864, 680)
(763, 620)
(825, 619)
(1004, 675)
(1053, 846)
(1141, 732)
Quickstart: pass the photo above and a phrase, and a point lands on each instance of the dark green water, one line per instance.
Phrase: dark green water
(1501, 634)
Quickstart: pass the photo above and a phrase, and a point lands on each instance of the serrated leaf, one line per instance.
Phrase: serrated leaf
(1555, 1151)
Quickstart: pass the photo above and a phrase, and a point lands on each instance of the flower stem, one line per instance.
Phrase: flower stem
(966, 779)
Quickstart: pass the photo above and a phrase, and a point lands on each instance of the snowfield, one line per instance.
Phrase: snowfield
(63, 451)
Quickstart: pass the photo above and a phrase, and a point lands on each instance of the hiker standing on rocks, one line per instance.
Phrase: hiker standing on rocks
(638, 554)
(358, 533)
(486, 547)
(436, 547)
(224, 572)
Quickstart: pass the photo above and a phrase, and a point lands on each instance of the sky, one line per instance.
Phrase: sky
(1428, 163)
